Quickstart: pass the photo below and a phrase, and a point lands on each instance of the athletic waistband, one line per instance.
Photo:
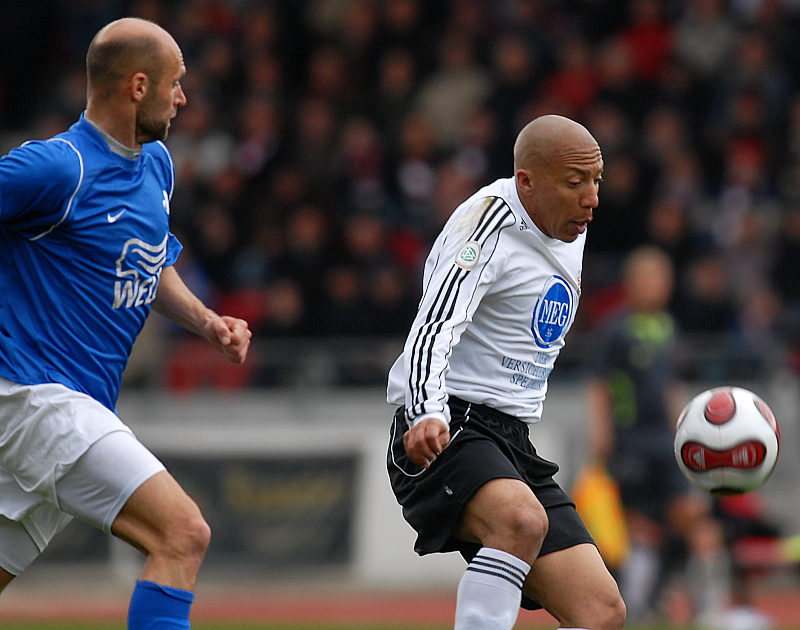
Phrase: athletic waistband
(461, 406)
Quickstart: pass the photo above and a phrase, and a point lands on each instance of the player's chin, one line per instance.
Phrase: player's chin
(572, 233)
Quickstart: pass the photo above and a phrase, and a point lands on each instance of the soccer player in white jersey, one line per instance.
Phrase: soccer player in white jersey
(86, 246)
(500, 290)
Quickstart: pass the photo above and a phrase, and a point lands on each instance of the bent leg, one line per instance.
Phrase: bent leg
(509, 522)
(575, 587)
(505, 514)
(162, 521)
(119, 486)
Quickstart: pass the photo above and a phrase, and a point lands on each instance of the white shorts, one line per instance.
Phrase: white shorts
(62, 454)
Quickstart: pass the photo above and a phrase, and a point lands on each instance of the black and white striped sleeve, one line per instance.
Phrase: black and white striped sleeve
(460, 270)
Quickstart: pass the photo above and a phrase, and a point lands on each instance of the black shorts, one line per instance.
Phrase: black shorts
(485, 444)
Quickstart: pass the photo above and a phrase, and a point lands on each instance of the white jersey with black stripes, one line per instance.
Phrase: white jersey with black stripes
(498, 299)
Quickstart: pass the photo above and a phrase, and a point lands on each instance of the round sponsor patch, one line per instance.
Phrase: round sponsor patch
(468, 255)
(553, 312)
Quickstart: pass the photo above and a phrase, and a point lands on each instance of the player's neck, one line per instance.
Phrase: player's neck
(116, 124)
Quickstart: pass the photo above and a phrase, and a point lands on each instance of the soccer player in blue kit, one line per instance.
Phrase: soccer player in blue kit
(86, 250)
(501, 287)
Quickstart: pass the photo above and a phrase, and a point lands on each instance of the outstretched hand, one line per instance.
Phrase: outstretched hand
(230, 335)
(425, 441)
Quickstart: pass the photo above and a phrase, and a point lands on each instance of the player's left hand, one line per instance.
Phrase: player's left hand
(230, 335)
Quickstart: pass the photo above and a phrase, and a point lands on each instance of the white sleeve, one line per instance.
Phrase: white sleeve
(458, 273)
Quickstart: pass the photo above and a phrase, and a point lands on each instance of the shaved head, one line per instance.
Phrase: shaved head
(549, 137)
(558, 167)
(133, 74)
(122, 48)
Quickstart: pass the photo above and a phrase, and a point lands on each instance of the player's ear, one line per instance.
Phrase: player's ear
(139, 84)
(524, 180)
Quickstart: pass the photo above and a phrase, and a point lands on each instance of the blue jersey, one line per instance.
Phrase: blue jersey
(84, 235)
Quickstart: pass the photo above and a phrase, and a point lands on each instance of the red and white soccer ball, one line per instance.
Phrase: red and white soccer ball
(727, 441)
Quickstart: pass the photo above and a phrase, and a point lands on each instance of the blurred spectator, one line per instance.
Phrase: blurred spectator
(705, 302)
(668, 229)
(314, 144)
(343, 304)
(395, 94)
(260, 135)
(515, 79)
(574, 83)
(361, 165)
(395, 109)
(634, 400)
(620, 223)
(618, 83)
(306, 255)
(201, 149)
(413, 172)
(705, 37)
(648, 37)
(457, 85)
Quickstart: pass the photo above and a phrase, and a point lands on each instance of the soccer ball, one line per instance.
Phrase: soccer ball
(727, 441)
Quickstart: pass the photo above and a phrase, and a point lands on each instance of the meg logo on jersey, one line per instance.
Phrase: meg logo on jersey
(553, 312)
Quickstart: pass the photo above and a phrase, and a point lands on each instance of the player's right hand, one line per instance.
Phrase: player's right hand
(230, 335)
(425, 441)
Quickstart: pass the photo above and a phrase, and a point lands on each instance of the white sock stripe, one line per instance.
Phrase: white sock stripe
(504, 576)
(500, 566)
(488, 553)
(503, 556)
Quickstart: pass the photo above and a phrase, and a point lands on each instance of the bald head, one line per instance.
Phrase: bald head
(123, 48)
(550, 137)
(558, 167)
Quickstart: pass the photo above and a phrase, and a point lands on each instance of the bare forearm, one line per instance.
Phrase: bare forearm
(176, 301)
(230, 335)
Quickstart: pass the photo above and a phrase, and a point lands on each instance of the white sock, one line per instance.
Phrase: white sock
(709, 582)
(490, 591)
(638, 579)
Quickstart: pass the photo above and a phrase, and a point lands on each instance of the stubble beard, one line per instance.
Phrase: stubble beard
(150, 129)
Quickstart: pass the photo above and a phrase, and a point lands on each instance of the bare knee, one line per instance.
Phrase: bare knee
(606, 612)
(505, 514)
(163, 522)
(186, 538)
(528, 524)
(520, 531)
(613, 614)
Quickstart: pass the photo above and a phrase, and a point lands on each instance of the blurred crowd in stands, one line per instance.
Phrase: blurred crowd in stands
(325, 141)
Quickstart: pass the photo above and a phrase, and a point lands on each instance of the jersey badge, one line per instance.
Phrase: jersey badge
(469, 255)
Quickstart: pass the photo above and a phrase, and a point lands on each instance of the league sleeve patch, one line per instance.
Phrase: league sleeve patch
(468, 255)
